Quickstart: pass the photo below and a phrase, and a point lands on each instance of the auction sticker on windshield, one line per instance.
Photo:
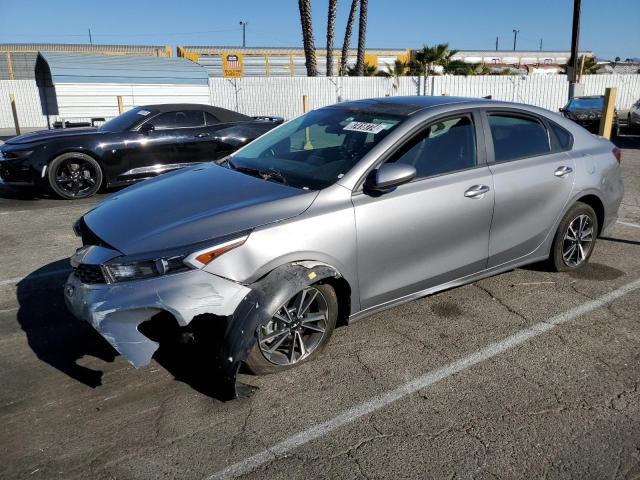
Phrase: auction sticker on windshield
(365, 127)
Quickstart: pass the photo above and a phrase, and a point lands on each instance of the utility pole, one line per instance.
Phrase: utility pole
(244, 28)
(496, 44)
(575, 40)
(90, 39)
(540, 44)
(515, 38)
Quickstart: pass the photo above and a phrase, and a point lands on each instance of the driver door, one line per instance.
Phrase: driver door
(434, 229)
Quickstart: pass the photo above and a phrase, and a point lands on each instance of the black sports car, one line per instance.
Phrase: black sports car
(587, 111)
(141, 143)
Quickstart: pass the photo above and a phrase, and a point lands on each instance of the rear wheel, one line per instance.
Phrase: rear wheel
(74, 175)
(575, 238)
(297, 332)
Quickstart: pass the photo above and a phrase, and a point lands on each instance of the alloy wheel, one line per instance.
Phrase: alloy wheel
(76, 177)
(578, 241)
(296, 329)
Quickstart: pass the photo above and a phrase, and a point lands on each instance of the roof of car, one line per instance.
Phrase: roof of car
(586, 97)
(221, 114)
(406, 105)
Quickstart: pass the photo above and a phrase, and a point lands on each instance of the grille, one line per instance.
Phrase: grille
(89, 273)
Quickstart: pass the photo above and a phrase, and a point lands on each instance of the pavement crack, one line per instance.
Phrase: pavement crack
(501, 302)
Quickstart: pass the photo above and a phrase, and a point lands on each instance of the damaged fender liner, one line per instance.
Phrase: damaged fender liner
(116, 311)
(259, 306)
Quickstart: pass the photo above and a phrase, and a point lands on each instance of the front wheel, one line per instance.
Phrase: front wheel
(575, 238)
(297, 332)
(74, 175)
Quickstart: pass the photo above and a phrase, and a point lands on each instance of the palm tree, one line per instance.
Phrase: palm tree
(347, 37)
(398, 69)
(431, 56)
(458, 67)
(307, 38)
(333, 5)
(367, 71)
(395, 71)
(362, 33)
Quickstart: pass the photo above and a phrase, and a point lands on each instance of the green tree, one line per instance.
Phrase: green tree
(307, 37)
(368, 70)
(458, 67)
(429, 57)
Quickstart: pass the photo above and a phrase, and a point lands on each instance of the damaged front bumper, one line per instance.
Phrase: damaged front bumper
(117, 310)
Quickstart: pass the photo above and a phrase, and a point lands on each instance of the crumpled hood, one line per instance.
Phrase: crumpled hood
(192, 205)
(41, 135)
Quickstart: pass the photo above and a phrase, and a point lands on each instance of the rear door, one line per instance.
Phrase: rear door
(533, 177)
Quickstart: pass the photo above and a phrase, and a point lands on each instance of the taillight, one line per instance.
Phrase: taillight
(617, 153)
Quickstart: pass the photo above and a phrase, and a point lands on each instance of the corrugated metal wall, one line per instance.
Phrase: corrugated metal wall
(83, 101)
(283, 96)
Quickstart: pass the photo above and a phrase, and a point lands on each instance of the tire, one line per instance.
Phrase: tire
(325, 302)
(74, 175)
(563, 257)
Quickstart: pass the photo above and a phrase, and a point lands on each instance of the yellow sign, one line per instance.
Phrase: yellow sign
(232, 65)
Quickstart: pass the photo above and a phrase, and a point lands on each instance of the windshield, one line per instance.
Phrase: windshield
(586, 104)
(315, 150)
(125, 121)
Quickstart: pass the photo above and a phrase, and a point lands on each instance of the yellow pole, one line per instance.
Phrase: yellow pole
(10, 65)
(307, 134)
(120, 106)
(14, 110)
(606, 122)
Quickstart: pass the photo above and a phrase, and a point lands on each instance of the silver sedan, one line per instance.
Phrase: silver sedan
(335, 215)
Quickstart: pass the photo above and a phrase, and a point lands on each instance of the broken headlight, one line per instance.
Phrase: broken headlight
(138, 267)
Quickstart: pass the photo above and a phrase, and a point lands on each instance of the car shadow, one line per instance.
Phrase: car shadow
(53, 333)
(60, 340)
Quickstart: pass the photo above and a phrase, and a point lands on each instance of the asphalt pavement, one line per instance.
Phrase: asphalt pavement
(528, 374)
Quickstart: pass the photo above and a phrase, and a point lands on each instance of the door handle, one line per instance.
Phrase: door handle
(202, 135)
(562, 172)
(477, 191)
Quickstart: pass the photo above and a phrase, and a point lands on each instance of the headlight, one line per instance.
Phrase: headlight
(123, 269)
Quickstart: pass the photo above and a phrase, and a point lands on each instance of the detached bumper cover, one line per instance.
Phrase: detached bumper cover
(116, 310)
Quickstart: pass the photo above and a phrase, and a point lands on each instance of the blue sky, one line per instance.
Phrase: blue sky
(610, 28)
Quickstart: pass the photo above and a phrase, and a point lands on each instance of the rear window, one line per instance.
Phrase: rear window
(517, 136)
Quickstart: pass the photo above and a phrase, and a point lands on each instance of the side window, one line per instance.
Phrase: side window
(446, 146)
(563, 138)
(517, 136)
(211, 119)
(179, 119)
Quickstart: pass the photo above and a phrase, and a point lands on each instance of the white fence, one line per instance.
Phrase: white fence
(283, 96)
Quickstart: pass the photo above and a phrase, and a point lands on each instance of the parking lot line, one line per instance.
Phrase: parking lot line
(317, 431)
(629, 224)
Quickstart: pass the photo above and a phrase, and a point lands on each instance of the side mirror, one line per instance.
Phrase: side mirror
(387, 177)
(146, 128)
(561, 110)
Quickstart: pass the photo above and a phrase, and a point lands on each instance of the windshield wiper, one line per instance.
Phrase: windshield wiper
(271, 174)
